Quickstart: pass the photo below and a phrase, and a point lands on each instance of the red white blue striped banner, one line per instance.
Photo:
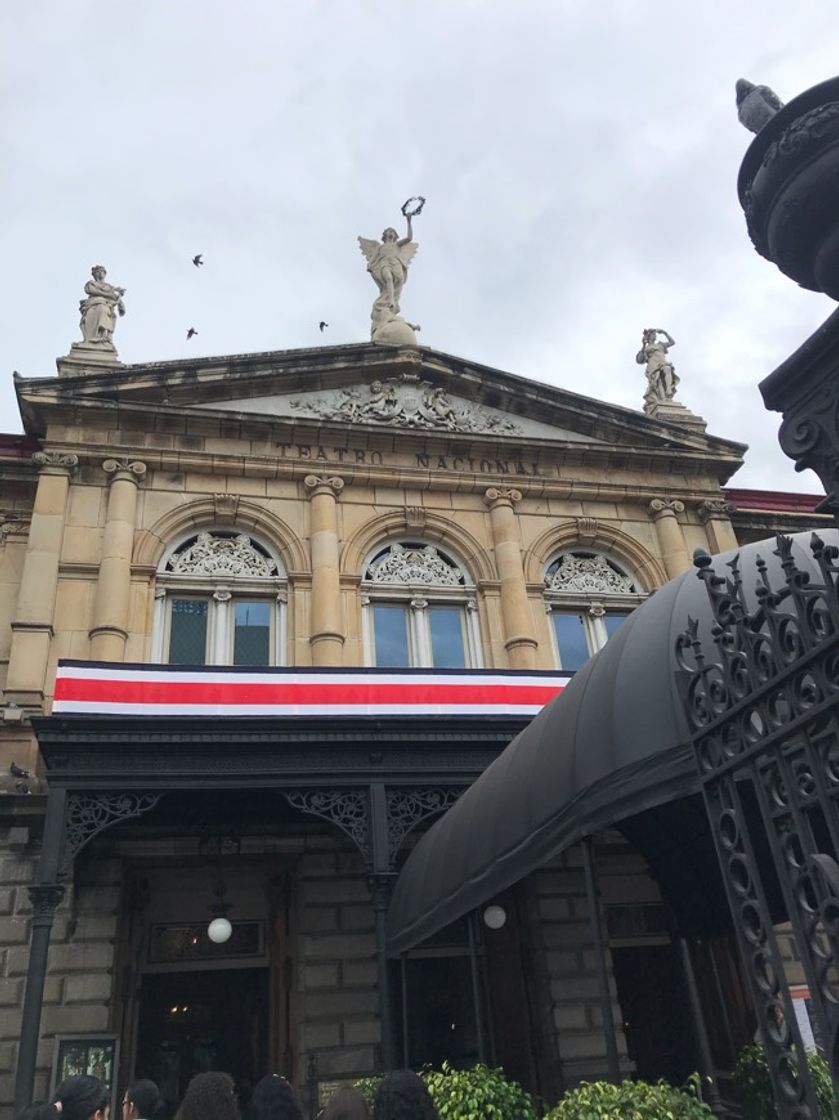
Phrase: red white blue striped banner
(97, 688)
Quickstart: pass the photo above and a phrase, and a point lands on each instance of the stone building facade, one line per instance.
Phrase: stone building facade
(331, 509)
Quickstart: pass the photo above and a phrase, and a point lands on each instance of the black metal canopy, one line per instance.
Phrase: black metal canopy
(614, 744)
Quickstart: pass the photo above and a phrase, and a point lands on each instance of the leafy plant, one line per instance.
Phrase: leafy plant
(632, 1100)
(751, 1076)
(479, 1093)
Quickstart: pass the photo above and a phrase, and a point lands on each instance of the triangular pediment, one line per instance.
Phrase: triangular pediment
(417, 392)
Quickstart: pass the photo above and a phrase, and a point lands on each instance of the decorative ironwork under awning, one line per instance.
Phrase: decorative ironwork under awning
(615, 743)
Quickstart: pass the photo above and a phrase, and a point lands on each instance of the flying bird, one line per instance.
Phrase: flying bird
(197, 260)
(321, 324)
(190, 333)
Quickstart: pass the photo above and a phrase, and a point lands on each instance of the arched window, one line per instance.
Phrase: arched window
(419, 609)
(220, 600)
(587, 595)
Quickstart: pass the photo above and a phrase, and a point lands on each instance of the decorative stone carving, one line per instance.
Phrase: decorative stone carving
(99, 311)
(665, 507)
(418, 603)
(661, 376)
(316, 483)
(403, 564)
(496, 494)
(55, 462)
(214, 555)
(415, 517)
(13, 525)
(226, 506)
(387, 262)
(580, 574)
(713, 508)
(405, 402)
(124, 468)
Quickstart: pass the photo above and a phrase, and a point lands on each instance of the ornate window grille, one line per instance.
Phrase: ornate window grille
(587, 596)
(220, 599)
(419, 609)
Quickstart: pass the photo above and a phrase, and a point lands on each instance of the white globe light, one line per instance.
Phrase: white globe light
(495, 917)
(219, 930)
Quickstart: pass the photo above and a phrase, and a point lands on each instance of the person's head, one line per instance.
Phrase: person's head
(140, 1101)
(274, 1099)
(347, 1103)
(82, 1098)
(39, 1111)
(390, 234)
(99, 272)
(402, 1095)
(210, 1096)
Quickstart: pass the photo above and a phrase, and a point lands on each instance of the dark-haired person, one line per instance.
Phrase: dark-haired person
(347, 1103)
(209, 1096)
(38, 1111)
(274, 1099)
(141, 1101)
(82, 1098)
(402, 1095)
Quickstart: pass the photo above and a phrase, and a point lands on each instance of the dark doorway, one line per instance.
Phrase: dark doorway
(212, 1019)
(655, 1016)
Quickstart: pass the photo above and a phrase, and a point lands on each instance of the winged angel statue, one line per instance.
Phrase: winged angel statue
(387, 263)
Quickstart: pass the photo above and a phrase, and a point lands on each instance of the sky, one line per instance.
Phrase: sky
(579, 163)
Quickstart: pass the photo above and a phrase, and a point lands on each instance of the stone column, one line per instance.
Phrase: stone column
(520, 643)
(111, 607)
(715, 515)
(671, 539)
(32, 627)
(327, 636)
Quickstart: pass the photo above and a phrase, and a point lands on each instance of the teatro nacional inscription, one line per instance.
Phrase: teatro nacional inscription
(362, 457)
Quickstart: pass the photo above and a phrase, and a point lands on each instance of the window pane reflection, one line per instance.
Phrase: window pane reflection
(390, 624)
(613, 620)
(447, 649)
(252, 633)
(188, 632)
(571, 639)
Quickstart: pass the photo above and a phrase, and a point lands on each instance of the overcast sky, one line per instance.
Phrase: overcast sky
(579, 162)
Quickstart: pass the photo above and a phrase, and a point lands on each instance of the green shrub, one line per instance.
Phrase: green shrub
(479, 1093)
(751, 1076)
(632, 1100)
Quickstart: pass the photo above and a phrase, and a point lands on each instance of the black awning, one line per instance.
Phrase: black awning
(614, 743)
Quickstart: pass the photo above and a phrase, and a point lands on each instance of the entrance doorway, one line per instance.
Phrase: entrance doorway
(649, 991)
(211, 1019)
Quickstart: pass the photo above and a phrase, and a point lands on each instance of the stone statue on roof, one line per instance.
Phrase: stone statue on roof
(99, 311)
(661, 376)
(388, 261)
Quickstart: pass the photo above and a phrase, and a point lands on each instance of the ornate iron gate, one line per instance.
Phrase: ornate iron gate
(764, 714)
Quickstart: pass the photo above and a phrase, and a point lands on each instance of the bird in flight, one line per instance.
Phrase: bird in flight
(197, 260)
(190, 333)
(322, 325)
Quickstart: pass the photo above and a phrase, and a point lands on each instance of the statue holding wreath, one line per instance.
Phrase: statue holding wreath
(388, 261)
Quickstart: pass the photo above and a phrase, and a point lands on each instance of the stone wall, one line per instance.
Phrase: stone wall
(337, 997)
(559, 897)
(78, 991)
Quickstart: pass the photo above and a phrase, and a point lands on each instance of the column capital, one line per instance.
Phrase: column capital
(55, 462)
(128, 470)
(502, 496)
(665, 507)
(45, 897)
(323, 484)
(715, 509)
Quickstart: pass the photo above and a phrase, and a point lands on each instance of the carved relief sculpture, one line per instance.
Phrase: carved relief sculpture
(588, 575)
(211, 555)
(405, 402)
(406, 565)
(387, 263)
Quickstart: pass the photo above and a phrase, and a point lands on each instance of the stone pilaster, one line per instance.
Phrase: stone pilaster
(715, 515)
(671, 539)
(327, 634)
(109, 631)
(520, 642)
(32, 626)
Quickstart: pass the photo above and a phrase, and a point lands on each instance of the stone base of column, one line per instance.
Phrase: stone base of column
(88, 357)
(521, 649)
(327, 648)
(107, 643)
